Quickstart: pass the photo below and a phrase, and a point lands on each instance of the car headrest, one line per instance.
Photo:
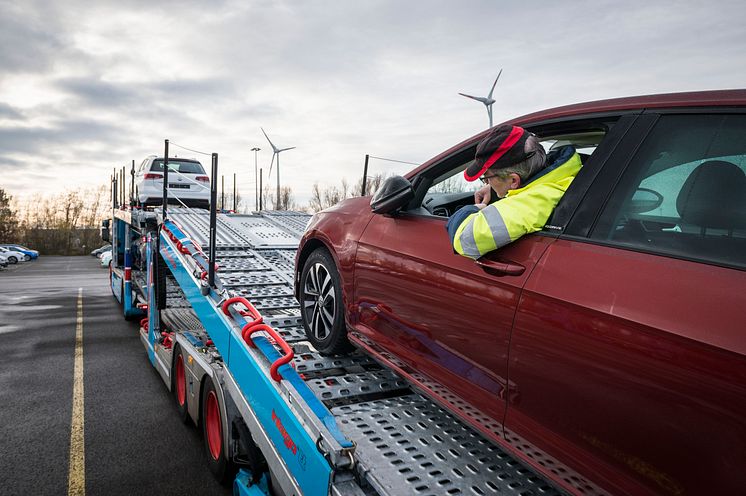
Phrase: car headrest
(714, 196)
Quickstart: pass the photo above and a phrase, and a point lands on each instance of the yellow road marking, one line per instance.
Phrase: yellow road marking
(76, 474)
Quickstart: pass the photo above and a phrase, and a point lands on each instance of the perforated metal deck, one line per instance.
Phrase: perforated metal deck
(406, 444)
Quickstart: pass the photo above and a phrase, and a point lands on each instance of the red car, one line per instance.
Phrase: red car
(607, 351)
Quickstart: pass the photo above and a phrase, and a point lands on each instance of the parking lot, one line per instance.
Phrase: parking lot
(133, 442)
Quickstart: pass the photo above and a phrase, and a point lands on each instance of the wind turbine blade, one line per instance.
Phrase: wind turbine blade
(270, 141)
(270, 165)
(493, 84)
(469, 96)
(292, 147)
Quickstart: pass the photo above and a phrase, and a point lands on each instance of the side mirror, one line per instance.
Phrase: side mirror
(394, 193)
(105, 230)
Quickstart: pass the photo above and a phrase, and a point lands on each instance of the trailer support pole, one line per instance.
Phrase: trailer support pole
(261, 191)
(213, 221)
(165, 179)
(365, 174)
(132, 184)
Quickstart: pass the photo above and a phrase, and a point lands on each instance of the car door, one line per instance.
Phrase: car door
(627, 357)
(446, 317)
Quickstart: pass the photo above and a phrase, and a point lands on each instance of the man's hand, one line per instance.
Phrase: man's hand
(482, 195)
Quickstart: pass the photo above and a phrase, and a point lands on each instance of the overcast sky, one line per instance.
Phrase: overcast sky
(87, 86)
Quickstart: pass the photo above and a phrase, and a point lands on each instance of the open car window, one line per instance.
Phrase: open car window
(448, 190)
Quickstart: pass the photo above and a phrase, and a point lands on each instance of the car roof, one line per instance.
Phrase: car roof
(714, 98)
(178, 159)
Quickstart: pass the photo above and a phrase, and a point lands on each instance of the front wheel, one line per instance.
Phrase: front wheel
(12, 259)
(321, 300)
(26, 258)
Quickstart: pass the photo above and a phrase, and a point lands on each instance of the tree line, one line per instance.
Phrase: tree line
(67, 223)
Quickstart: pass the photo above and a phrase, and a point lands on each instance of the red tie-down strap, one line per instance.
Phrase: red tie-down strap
(144, 323)
(203, 275)
(167, 339)
(256, 317)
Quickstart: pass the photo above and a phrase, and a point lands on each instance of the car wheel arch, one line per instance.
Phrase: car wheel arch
(310, 246)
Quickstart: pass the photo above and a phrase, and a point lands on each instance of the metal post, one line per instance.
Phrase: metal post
(256, 178)
(222, 192)
(234, 191)
(132, 184)
(114, 189)
(165, 179)
(213, 221)
(124, 188)
(260, 190)
(365, 174)
(277, 200)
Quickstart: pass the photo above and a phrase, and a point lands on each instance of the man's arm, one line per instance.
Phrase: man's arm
(482, 231)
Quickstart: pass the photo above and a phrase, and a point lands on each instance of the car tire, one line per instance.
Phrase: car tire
(179, 374)
(212, 432)
(322, 310)
(12, 259)
(26, 258)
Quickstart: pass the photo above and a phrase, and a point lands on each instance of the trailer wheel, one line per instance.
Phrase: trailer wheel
(212, 430)
(180, 384)
(321, 299)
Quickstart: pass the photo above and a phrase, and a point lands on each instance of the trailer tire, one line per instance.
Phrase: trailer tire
(179, 384)
(212, 431)
(320, 296)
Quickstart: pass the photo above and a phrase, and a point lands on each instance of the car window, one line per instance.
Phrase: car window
(184, 167)
(450, 190)
(684, 193)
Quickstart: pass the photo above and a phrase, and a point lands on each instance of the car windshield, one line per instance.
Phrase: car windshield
(184, 167)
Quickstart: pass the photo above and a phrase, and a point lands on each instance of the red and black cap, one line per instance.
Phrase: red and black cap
(502, 147)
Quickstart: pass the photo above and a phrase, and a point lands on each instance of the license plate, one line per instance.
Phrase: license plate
(182, 186)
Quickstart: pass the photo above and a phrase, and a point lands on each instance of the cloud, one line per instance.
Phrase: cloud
(97, 85)
(9, 112)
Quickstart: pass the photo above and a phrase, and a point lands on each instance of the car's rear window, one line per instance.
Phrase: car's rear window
(184, 167)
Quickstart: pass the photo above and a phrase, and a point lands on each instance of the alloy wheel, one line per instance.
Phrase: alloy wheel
(319, 301)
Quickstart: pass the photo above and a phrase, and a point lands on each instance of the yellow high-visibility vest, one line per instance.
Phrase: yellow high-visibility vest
(522, 211)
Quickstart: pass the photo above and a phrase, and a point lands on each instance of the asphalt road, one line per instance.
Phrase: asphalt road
(134, 442)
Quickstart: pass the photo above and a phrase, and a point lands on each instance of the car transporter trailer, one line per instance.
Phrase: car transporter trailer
(223, 330)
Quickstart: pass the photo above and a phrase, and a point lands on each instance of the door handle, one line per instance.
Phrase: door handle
(501, 268)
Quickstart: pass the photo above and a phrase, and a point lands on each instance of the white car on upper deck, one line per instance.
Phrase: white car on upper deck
(187, 182)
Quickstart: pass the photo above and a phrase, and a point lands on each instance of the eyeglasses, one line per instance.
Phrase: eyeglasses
(486, 179)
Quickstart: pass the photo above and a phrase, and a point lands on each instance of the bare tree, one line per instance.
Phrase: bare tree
(327, 196)
(8, 218)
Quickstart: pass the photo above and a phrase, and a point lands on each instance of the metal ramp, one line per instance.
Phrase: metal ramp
(405, 443)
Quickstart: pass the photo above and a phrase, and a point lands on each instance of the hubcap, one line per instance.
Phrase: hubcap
(319, 301)
(214, 429)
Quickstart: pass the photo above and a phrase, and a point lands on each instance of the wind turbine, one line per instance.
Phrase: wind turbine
(275, 152)
(487, 101)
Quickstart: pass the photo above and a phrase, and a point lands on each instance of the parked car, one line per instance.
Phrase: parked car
(103, 252)
(98, 251)
(13, 256)
(28, 252)
(3, 261)
(105, 258)
(187, 182)
(607, 351)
